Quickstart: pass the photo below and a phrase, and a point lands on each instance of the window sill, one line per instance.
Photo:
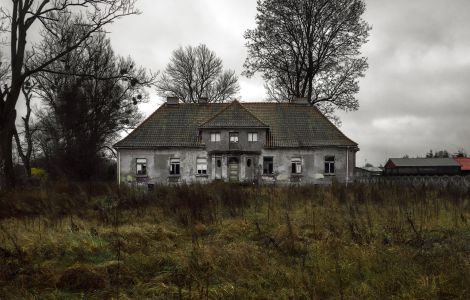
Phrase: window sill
(297, 175)
(141, 175)
(329, 175)
(202, 175)
(174, 175)
(269, 175)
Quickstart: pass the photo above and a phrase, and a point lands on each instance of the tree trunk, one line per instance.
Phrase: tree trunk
(7, 174)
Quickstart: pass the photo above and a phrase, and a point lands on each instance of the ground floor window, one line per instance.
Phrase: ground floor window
(141, 166)
(201, 165)
(268, 165)
(175, 166)
(329, 165)
(296, 166)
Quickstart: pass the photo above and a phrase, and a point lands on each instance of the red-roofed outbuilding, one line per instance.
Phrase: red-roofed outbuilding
(464, 163)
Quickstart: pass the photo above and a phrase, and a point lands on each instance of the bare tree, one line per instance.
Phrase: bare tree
(18, 19)
(196, 72)
(89, 97)
(311, 49)
(25, 149)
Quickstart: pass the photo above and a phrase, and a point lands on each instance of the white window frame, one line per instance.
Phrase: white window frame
(175, 167)
(201, 166)
(215, 137)
(296, 166)
(234, 135)
(141, 163)
(252, 136)
(330, 167)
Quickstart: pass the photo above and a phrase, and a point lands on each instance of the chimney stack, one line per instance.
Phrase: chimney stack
(300, 100)
(203, 100)
(172, 100)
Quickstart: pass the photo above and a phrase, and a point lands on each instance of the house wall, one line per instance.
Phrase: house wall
(158, 165)
(243, 143)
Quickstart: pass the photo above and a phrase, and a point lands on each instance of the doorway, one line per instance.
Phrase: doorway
(233, 169)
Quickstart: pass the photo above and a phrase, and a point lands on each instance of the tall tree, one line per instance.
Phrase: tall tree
(18, 19)
(309, 49)
(196, 72)
(89, 97)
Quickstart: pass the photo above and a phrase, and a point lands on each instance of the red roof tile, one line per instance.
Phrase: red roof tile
(464, 163)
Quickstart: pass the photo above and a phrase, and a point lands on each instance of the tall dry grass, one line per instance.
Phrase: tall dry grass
(223, 241)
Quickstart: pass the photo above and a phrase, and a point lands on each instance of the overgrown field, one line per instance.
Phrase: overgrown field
(221, 241)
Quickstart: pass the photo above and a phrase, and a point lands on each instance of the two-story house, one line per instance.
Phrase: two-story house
(245, 142)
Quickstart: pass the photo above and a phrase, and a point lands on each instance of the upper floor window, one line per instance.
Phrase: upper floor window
(215, 136)
(141, 166)
(296, 166)
(329, 165)
(268, 165)
(201, 166)
(233, 137)
(252, 137)
(174, 166)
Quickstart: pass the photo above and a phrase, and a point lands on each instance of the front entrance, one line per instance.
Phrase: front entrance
(218, 167)
(233, 169)
(249, 169)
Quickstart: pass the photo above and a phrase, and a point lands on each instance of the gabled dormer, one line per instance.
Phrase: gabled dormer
(234, 128)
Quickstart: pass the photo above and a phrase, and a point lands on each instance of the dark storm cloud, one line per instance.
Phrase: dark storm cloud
(416, 94)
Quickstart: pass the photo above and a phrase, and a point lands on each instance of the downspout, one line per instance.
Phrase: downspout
(119, 168)
(347, 166)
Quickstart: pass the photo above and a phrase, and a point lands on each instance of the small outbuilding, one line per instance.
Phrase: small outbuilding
(422, 166)
(464, 163)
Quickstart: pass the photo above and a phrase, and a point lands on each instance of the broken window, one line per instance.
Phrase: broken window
(175, 166)
(201, 166)
(296, 166)
(215, 136)
(141, 166)
(268, 165)
(252, 137)
(233, 137)
(329, 165)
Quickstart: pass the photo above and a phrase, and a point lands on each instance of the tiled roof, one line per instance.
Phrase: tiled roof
(464, 163)
(234, 115)
(424, 162)
(290, 125)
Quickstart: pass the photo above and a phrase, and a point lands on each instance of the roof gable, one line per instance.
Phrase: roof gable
(235, 115)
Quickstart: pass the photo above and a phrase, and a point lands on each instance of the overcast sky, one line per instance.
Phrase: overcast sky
(414, 97)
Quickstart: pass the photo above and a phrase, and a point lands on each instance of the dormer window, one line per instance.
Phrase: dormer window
(252, 137)
(233, 137)
(215, 136)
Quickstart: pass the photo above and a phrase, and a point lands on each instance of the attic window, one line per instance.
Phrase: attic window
(141, 166)
(233, 137)
(252, 137)
(329, 165)
(175, 166)
(215, 136)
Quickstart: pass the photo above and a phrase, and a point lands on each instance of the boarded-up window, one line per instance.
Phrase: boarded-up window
(201, 164)
(141, 166)
(268, 165)
(329, 165)
(296, 166)
(175, 166)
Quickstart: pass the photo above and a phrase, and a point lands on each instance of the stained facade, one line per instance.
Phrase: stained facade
(238, 142)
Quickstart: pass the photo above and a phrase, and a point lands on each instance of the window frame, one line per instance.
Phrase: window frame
(215, 137)
(143, 166)
(201, 162)
(330, 167)
(175, 167)
(296, 166)
(233, 134)
(269, 169)
(251, 137)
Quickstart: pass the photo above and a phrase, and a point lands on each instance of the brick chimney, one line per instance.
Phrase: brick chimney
(203, 100)
(300, 100)
(172, 100)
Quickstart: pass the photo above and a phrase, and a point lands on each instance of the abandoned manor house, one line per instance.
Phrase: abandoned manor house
(240, 142)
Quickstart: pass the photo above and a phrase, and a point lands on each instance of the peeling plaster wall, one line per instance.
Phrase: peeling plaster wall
(158, 165)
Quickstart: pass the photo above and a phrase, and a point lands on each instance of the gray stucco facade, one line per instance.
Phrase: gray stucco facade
(236, 143)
